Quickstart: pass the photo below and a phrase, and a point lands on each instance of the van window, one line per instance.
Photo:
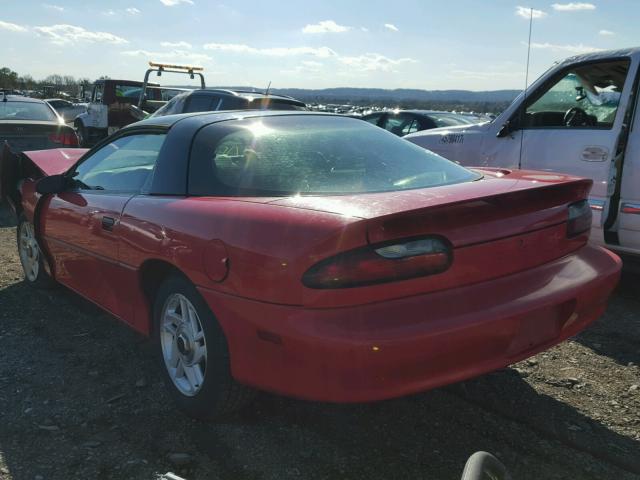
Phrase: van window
(582, 97)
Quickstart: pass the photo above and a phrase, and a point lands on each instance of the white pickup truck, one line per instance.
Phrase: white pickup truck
(578, 118)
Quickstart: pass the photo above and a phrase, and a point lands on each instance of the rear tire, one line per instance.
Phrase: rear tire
(193, 353)
(31, 257)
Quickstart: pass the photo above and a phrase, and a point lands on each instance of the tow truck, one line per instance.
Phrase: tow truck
(114, 104)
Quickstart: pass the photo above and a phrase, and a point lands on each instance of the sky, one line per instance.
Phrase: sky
(426, 44)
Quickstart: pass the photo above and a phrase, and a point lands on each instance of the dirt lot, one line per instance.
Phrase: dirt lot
(81, 398)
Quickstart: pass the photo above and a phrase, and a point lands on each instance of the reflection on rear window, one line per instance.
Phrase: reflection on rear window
(26, 111)
(291, 155)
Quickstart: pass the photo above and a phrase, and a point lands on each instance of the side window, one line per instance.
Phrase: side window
(396, 124)
(233, 103)
(373, 118)
(201, 103)
(582, 97)
(410, 127)
(97, 92)
(124, 165)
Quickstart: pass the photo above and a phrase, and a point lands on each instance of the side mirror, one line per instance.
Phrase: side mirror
(52, 184)
(505, 130)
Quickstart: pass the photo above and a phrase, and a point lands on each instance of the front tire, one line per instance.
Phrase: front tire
(193, 353)
(31, 257)
(81, 131)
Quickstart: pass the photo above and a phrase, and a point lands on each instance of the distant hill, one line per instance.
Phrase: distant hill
(486, 101)
(399, 94)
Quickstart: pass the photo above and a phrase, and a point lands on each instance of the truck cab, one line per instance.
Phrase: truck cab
(578, 118)
(108, 109)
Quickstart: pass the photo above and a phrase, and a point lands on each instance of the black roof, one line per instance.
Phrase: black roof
(203, 118)
(243, 93)
(20, 98)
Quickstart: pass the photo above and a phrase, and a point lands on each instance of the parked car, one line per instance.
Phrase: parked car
(31, 124)
(578, 118)
(206, 100)
(311, 255)
(66, 109)
(403, 122)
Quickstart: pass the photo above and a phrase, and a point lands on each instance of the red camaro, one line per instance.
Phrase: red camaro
(310, 255)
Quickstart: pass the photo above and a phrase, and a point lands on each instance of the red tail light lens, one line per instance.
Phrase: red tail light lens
(381, 263)
(68, 139)
(71, 139)
(579, 220)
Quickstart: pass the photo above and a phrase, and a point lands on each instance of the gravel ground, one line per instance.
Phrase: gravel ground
(81, 398)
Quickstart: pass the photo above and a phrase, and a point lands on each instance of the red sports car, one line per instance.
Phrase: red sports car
(311, 255)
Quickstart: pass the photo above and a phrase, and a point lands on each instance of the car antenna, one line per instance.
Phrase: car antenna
(526, 86)
(266, 92)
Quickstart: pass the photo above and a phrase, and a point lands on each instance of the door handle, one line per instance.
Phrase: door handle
(108, 223)
(595, 153)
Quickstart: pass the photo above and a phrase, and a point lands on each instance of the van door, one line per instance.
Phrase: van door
(572, 124)
(628, 220)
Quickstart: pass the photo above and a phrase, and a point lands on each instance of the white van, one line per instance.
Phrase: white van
(578, 118)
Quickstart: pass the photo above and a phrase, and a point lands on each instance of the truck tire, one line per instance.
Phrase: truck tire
(81, 130)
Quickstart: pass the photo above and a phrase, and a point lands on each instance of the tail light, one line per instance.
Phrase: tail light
(67, 139)
(381, 263)
(579, 220)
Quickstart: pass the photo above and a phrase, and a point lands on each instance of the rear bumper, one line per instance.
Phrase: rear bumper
(392, 348)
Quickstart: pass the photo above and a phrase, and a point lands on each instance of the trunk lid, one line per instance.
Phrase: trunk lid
(29, 135)
(502, 204)
(496, 227)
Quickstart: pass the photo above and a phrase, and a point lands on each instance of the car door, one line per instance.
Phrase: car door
(80, 226)
(572, 125)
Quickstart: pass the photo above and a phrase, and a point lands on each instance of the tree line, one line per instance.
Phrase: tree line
(10, 80)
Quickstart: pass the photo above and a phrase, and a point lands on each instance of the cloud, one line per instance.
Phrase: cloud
(173, 3)
(391, 26)
(63, 34)
(526, 12)
(370, 62)
(572, 7)
(12, 27)
(325, 26)
(181, 44)
(320, 52)
(133, 11)
(575, 49)
(606, 33)
(57, 8)
(109, 13)
(364, 29)
(174, 56)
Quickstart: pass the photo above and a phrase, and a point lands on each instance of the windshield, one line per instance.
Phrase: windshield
(26, 111)
(304, 155)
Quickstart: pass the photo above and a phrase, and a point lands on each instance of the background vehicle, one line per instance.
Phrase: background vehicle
(66, 109)
(404, 122)
(221, 99)
(109, 108)
(175, 225)
(31, 124)
(580, 118)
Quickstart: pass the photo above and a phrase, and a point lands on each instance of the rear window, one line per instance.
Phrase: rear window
(26, 111)
(311, 155)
